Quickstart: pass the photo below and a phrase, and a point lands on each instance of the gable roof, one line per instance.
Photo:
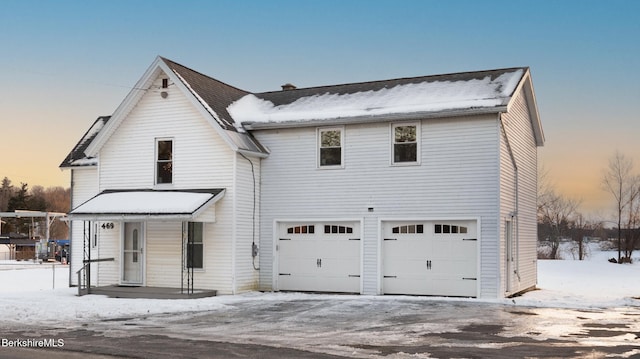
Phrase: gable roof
(77, 158)
(210, 97)
(465, 93)
(233, 111)
(211, 93)
(471, 92)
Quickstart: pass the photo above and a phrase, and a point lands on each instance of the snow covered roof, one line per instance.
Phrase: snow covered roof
(235, 112)
(77, 157)
(469, 92)
(174, 204)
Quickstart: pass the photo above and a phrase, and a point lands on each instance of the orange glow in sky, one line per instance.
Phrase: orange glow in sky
(65, 63)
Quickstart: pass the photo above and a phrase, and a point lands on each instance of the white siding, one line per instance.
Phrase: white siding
(518, 128)
(163, 254)
(84, 185)
(247, 227)
(457, 177)
(201, 159)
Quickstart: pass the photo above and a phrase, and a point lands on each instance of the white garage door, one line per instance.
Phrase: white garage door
(319, 257)
(430, 258)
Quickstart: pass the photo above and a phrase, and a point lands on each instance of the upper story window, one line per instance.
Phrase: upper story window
(164, 161)
(405, 143)
(330, 143)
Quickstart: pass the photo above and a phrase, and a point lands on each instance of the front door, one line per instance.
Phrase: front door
(132, 263)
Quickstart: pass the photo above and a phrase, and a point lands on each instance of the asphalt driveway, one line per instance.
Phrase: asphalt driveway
(350, 326)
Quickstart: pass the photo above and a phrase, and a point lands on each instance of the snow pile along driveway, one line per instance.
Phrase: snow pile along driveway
(28, 297)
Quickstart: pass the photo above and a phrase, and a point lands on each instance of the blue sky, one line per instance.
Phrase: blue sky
(66, 62)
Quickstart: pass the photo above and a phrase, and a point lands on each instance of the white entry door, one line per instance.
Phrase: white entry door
(132, 254)
(430, 258)
(319, 257)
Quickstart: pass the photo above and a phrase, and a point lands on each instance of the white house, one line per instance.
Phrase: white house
(422, 185)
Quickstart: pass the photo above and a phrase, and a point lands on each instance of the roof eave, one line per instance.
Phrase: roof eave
(129, 102)
(526, 86)
(374, 118)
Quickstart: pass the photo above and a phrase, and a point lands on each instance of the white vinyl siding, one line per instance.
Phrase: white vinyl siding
(84, 188)
(521, 142)
(201, 159)
(246, 226)
(458, 177)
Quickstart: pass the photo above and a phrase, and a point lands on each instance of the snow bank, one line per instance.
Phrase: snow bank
(28, 296)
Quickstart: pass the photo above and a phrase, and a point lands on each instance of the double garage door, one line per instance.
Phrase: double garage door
(417, 257)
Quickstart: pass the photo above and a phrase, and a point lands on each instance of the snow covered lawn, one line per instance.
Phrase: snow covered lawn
(28, 295)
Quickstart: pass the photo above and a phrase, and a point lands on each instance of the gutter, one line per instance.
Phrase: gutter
(249, 125)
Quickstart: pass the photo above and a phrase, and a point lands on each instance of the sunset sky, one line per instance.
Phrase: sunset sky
(64, 63)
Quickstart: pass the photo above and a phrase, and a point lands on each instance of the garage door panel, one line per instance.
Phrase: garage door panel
(325, 259)
(406, 285)
(297, 265)
(437, 261)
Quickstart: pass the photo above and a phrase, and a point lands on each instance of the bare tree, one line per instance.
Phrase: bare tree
(618, 180)
(631, 230)
(555, 218)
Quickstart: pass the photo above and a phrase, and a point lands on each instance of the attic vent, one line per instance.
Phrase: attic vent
(288, 86)
(165, 83)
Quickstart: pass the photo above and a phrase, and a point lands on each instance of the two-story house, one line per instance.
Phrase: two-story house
(423, 185)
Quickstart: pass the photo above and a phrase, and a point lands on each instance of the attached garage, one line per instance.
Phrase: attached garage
(319, 257)
(430, 258)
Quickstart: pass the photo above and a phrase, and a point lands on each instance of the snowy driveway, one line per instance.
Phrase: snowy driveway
(325, 326)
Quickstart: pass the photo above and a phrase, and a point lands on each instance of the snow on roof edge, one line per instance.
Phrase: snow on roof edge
(434, 96)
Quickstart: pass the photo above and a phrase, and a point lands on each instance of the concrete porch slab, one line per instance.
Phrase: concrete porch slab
(116, 291)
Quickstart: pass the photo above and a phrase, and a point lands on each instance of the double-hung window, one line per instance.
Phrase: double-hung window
(405, 143)
(164, 161)
(330, 144)
(195, 247)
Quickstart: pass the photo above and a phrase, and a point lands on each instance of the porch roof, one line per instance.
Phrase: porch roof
(147, 204)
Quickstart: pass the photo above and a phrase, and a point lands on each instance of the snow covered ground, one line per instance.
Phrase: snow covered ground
(27, 293)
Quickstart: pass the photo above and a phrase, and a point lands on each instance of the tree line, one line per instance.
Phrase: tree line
(37, 198)
(559, 217)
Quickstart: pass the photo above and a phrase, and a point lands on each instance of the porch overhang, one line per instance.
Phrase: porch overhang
(147, 205)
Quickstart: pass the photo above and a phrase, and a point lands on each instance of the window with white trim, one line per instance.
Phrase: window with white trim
(330, 143)
(405, 144)
(195, 245)
(164, 161)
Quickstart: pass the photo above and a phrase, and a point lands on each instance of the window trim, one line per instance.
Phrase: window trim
(319, 132)
(392, 139)
(156, 161)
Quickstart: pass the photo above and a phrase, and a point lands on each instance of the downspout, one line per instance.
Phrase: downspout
(514, 214)
(69, 256)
